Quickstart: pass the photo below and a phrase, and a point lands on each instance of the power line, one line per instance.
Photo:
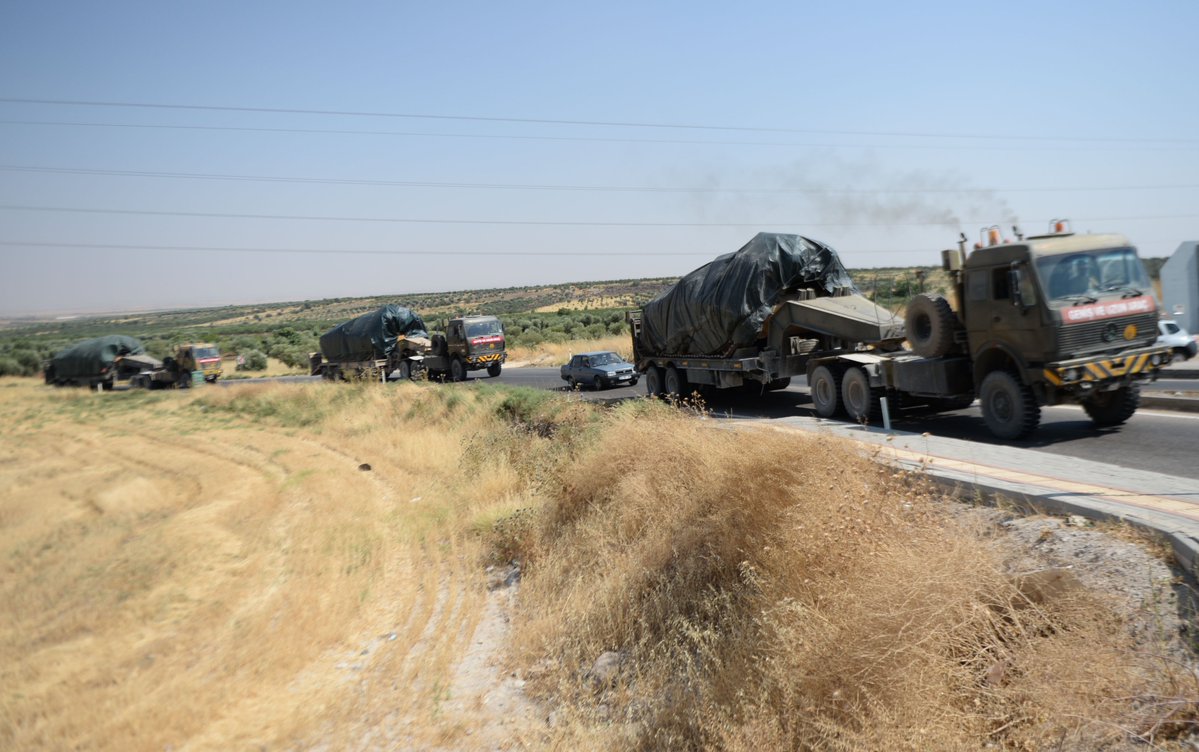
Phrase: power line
(595, 139)
(550, 223)
(557, 187)
(371, 252)
(548, 121)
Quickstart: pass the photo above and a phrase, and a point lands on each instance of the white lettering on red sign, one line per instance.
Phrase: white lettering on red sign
(1100, 311)
(487, 340)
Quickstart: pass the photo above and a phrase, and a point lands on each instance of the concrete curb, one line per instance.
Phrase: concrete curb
(1164, 402)
(1184, 545)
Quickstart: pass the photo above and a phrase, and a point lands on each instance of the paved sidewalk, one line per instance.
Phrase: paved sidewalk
(1049, 482)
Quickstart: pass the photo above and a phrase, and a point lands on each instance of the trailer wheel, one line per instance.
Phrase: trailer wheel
(494, 369)
(861, 401)
(675, 383)
(1009, 407)
(457, 370)
(405, 370)
(1113, 408)
(653, 381)
(826, 394)
(930, 323)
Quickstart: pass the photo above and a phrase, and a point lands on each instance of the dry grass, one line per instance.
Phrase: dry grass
(555, 354)
(788, 594)
(212, 570)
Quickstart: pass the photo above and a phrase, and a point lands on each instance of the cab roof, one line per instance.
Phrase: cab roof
(1046, 245)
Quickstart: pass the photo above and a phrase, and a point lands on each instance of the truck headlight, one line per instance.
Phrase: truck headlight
(1072, 374)
(1155, 359)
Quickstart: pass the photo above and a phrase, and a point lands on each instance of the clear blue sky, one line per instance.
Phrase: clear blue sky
(882, 129)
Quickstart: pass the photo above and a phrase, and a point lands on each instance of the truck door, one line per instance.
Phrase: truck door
(993, 317)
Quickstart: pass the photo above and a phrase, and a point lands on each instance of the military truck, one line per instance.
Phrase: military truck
(1040, 320)
(470, 343)
(203, 357)
(394, 342)
(1043, 320)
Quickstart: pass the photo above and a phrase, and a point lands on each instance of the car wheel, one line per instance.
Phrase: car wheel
(597, 383)
(633, 381)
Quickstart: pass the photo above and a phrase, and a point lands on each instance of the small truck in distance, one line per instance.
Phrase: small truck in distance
(395, 340)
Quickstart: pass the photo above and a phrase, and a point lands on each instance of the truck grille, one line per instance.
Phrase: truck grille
(1083, 339)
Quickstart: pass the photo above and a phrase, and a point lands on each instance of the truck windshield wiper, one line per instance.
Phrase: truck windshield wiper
(1129, 290)
(1080, 299)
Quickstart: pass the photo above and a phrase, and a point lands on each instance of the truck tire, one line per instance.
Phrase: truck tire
(1009, 407)
(930, 323)
(437, 344)
(1113, 408)
(778, 385)
(675, 383)
(457, 370)
(826, 392)
(861, 401)
(653, 381)
(494, 369)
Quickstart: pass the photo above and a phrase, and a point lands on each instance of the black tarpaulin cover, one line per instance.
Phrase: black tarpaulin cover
(722, 305)
(88, 357)
(372, 335)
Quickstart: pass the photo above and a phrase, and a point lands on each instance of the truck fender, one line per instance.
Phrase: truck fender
(869, 362)
(993, 356)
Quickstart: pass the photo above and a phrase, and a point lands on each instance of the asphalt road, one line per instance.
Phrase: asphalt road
(1153, 440)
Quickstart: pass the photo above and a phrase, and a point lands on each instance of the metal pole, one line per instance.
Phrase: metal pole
(886, 415)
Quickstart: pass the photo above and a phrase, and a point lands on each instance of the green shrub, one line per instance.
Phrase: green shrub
(253, 360)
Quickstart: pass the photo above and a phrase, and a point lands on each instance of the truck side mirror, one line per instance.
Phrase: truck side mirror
(1024, 295)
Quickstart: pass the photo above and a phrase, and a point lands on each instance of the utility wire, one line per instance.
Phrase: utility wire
(353, 251)
(549, 223)
(557, 187)
(548, 121)
(599, 139)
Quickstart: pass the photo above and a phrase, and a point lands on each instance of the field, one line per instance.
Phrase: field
(413, 566)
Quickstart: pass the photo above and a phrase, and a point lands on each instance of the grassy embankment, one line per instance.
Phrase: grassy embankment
(213, 570)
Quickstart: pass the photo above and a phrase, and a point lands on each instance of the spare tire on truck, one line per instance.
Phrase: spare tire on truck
(930, 323)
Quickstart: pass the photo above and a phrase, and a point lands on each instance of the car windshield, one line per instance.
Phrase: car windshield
(484, 328)
(1090, 274)
(207, 352)
(1170, 327)
(604, 359)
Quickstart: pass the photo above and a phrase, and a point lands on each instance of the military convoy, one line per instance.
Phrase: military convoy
(393, 342)
(1042, 320)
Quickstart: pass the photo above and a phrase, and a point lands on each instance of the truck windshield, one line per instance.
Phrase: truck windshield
(484, 328)
(1091, 274)
(207, 352)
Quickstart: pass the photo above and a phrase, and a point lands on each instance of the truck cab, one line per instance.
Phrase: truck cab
(200, 356)
(470, 343)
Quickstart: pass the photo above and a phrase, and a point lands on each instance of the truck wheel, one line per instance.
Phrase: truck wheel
(1113, 408)
(930, 323)
(494, 369)
(653, 381)
(861, 401)
(437, 344)
(778, 385)
(1009, 407)
(675, 383)
(826, 394)
(457, 370)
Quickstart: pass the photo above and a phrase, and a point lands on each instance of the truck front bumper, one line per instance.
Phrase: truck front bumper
(1089, 373)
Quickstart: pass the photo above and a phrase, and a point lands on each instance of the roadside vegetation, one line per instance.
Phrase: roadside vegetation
(301, 566)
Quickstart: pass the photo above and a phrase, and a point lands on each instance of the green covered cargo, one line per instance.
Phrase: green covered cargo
(371, 336)
(91, 358)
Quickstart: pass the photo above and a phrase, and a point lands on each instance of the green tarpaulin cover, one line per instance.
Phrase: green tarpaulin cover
(92, 356)
(371, 336)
